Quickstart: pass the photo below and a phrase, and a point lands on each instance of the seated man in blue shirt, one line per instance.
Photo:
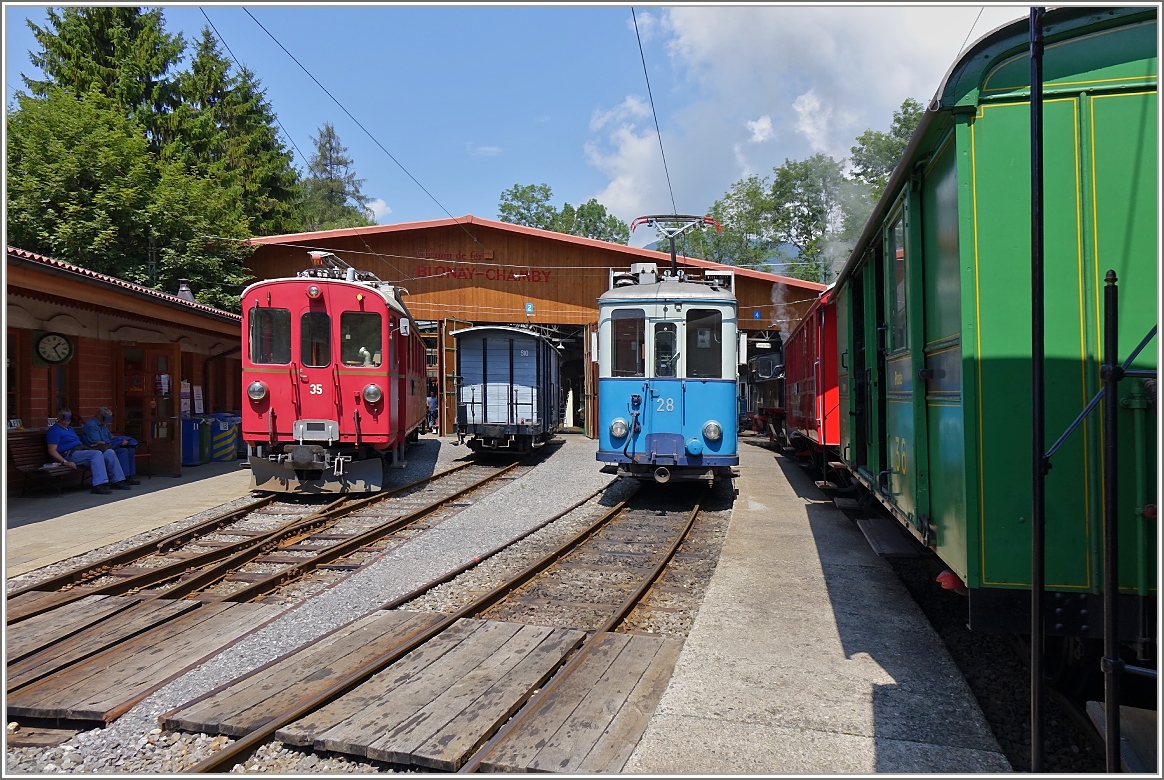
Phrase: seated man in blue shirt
(95, 434)
(65, 447)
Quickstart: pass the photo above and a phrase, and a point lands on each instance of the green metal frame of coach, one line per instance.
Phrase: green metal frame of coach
(934, 320)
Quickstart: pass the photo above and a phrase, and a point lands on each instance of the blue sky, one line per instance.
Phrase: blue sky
(474, 99)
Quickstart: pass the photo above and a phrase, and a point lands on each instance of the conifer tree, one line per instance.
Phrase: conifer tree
(332, 194)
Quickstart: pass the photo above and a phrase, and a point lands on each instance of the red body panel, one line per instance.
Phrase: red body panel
(810, 375)
(333, 389)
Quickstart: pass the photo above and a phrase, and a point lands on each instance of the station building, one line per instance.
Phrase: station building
(82, 339)
(472, 271)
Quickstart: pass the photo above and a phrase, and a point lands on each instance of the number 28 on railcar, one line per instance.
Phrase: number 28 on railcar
(333, 376)
(667, 364)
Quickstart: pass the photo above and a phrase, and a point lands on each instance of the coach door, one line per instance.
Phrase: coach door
(664, 401)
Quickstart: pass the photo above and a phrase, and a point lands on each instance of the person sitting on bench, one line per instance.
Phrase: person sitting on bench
(65, 447)
(95, 434)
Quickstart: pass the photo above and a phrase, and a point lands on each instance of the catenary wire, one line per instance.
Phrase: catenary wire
(675, 209)
(361, 126)
(240, 64)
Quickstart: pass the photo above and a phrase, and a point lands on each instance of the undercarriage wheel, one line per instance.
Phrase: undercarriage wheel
(1071, 665)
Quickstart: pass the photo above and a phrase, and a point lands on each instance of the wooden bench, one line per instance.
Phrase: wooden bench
(28, 456)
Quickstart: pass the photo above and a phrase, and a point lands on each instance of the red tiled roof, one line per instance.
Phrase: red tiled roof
(469, 219)
(113, 281)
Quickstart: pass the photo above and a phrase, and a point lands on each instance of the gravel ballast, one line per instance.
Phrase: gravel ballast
(134, 743)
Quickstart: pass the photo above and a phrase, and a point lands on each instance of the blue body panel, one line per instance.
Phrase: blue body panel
(672, 414)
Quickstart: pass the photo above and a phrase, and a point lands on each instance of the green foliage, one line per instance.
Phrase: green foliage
(120, 163)
(84, 188)
(530, 205)
(229, 135)
(122, 51)
(805, 221)
(591, 220)
(744, 214)
(877, 154)
(332, 194)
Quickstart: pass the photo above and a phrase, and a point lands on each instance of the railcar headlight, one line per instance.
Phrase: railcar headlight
(373, 394)
(257, 390)
(618, 428)
(712, 431)
(313, 291)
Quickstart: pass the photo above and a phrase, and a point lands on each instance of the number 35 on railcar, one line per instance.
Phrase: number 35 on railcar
(333, 374)
(667, 364)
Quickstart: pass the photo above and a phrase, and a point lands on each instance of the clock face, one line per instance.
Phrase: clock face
(54, 348)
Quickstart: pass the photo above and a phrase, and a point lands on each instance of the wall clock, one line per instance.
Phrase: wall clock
(54, 348)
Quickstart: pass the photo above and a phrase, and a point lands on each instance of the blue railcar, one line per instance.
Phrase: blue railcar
(667, 371)
(509, 388)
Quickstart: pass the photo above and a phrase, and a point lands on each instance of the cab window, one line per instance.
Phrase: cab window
(666, 355)
(361, 338)
(315, 339)
(897, 312)
(704, 344)
(270, 336)
(628, 328)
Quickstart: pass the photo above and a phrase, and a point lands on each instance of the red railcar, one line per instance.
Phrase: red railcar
(812, 419)
(334, 375)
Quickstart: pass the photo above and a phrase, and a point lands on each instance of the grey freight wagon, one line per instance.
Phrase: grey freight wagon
(509, 389)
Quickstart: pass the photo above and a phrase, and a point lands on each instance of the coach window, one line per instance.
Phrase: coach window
(361, 335)
(315, 338)
(665, 354)
(270, 336)
(897, 312)
(704, 344)
(629, 326)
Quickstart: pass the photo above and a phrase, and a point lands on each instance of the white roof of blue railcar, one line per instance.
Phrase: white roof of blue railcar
(509, 328)
(668, 290)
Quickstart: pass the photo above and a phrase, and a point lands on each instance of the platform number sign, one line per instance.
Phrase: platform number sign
(755, 314)
(529, 308)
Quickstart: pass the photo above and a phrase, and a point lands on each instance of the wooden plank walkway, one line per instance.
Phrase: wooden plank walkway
(438, 704)
(593, 719)
(241, 705)
(29, 636)
(20, 607)
(105, 685)
(52, 658)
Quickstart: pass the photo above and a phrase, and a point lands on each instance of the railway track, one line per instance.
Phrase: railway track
(472, 689)
(89, 651)
(247, 552)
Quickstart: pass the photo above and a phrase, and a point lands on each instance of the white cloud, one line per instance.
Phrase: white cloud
(816, 76)
(761, 129)
(634, 107)
(380, 209)
(482, 151)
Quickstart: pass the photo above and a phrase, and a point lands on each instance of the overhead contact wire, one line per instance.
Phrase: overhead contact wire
(658, 132)
(361, 126)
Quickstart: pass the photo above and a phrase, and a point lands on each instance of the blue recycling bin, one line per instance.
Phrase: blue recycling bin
(193, 451)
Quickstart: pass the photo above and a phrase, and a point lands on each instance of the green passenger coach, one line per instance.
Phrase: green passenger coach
(934, 321)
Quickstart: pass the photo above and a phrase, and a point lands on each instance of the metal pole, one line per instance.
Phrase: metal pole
(1038, 462)
(1111, 664)
(674, 259)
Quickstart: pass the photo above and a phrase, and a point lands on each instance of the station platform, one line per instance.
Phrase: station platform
(46, 527)
(808, 655)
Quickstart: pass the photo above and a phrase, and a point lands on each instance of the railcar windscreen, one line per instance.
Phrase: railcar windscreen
(361, 338)
(629, 327)
(704, 344)
(270, 336)
(315, 339)
(666, 356)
